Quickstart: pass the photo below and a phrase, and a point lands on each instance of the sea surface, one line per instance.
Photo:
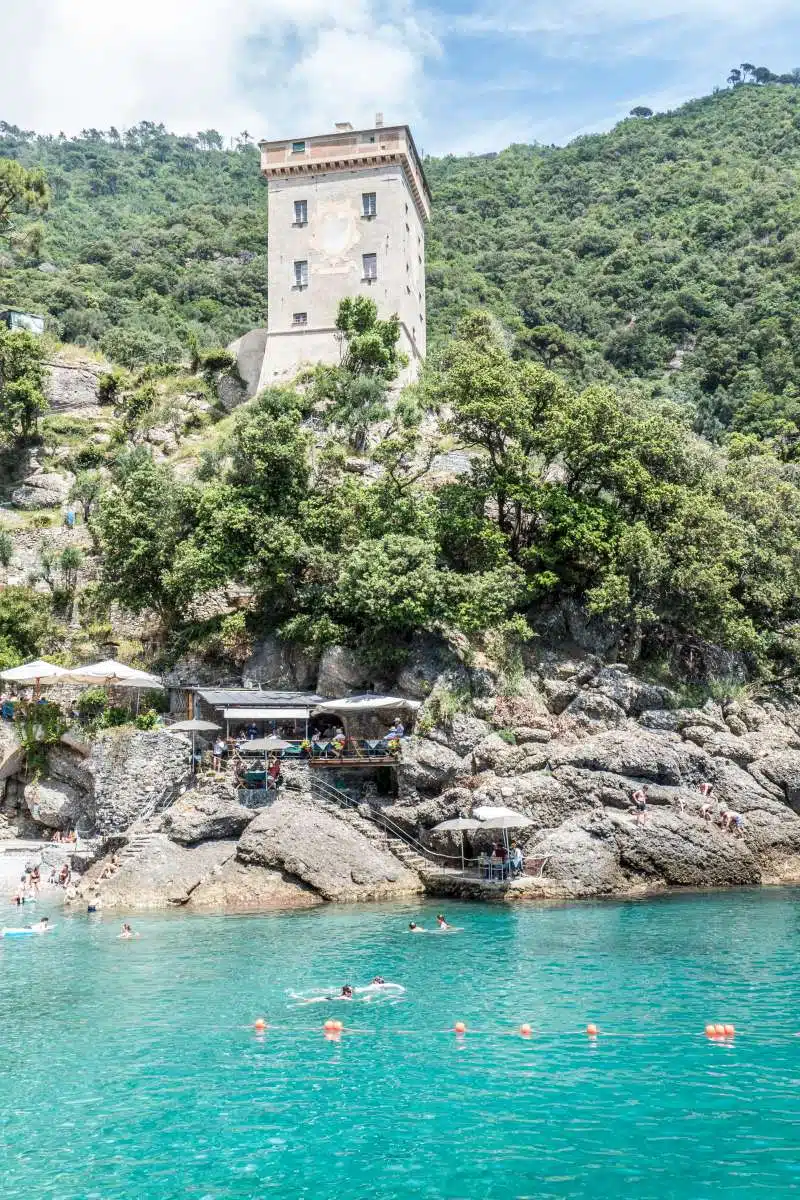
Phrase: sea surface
(132, 1069)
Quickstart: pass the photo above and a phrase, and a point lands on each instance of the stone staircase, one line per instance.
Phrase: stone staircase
(408, 856)
(140, 840)
(393, 838)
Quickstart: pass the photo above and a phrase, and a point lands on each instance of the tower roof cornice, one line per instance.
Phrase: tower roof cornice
(347, 150)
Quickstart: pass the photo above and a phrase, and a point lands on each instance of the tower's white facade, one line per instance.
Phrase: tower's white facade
(347, 215)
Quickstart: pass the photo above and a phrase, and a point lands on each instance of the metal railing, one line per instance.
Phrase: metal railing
(326, 791)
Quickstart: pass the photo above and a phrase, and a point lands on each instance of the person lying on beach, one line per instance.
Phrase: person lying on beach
(127, 932)
(413, 927)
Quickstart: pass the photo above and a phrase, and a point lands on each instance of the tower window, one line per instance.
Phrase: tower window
(300, 318)
(370, 262)
(301, 212)
(301, 273)
(369, 206)
(298, 147)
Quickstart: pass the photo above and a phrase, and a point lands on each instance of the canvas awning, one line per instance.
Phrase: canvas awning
(266, 714)
(367, 702)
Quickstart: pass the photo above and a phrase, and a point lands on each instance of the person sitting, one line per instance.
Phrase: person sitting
(441, 922)
(64, 875)
(397, 730)
(252, 731)
(41, 926)
(273, 774)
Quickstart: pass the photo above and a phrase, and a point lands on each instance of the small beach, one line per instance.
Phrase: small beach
(133, 1069)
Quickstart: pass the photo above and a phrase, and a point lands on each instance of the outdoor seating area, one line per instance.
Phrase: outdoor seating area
(278, 727)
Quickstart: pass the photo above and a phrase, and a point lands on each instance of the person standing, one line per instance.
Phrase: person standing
(639, 798)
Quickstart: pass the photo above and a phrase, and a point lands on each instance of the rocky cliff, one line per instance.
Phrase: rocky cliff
(570, 751)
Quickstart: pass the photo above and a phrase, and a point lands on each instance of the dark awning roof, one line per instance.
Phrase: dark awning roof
(253, 698)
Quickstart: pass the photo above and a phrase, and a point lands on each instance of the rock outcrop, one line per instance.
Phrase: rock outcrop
(129, 770)
(325, 852)
(569, 756)
(45, 489)
(207, 814)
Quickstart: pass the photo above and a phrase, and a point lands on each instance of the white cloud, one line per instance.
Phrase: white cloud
(272, 66)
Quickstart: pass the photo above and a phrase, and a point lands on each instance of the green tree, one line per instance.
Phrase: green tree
(22, 375)
(139, 523)
(25, 625)
(87, 489)
(21, 191)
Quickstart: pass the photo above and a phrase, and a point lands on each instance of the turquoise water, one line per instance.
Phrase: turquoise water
(130, 1069)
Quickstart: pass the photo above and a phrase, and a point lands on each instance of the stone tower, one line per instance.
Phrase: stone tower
(347, 214)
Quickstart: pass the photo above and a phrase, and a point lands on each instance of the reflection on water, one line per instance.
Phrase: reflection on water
(132, 1069)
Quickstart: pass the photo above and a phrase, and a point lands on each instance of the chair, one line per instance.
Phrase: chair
(536, 866)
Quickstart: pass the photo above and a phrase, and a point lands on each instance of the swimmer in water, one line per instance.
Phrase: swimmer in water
(441, 922)
(413, 927)
(345, 994)
(42, 926)
(127, 932)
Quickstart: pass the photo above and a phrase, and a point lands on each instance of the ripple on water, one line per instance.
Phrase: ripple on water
(131, 1070)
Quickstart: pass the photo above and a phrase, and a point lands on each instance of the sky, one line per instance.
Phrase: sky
(469, 76)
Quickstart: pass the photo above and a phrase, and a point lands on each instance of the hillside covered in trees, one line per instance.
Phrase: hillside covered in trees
(665, 250)
(593, 310)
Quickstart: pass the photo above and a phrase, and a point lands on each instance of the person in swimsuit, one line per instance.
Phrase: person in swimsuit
(732, 822)
(127, 932)
(413, 927)
(41, 926)
(639, 798)
(441, 922)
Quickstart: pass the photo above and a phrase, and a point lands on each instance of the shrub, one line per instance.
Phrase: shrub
(92, 703)
(6, 548)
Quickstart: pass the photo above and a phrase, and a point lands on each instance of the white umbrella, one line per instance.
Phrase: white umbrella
(112, 673)
(506, 821)
(193, 727)
(458, 824)
(485, 812)
(366, 702)
(266, 744)
(35, 674)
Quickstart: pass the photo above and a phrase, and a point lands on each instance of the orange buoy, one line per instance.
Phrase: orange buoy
(730, 1031)
(719, 1031)
(459, 1027)
(260, 1025)
(711, 1031)
(591, 1030)
(525, 1030)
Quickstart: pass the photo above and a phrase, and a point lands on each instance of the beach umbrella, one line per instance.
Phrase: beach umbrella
(505, 821)
(111, 673)
(35, 674)
(268, 745)
(194, 727)
(457, 824)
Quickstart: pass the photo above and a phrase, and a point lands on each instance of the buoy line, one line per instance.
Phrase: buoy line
(715, 1032)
